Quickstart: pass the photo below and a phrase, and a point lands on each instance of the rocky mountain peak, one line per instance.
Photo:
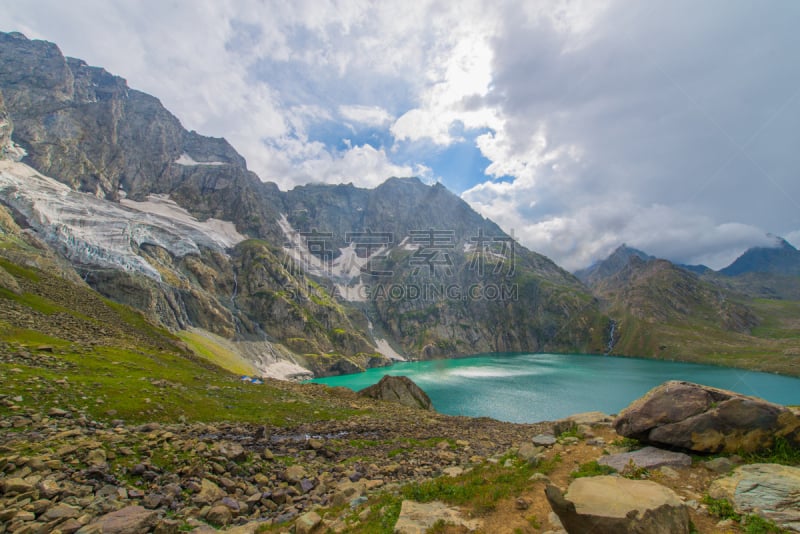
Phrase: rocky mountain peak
(614, 263)
(781, 258)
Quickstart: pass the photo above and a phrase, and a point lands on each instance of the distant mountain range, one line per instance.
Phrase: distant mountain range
(694, 313)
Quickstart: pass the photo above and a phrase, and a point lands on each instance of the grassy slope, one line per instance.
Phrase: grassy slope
(773, 346)
(666, 313)
(62, 345)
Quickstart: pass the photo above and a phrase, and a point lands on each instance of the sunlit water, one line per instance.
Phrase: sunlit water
(526, 388)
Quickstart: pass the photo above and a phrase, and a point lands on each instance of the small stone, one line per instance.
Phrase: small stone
(453, 471)
(209, 493)
(219, 515)
(61, 511)
(522, 503)
(96, 457)
(543, 440)
(268, 454)
(15, 486)
(306, 485)
(129, 520)
(168, 526)
(529, 453)
(152, 501)
(230, 450)
(307, 523)
(720, 465)
(57, 412)
(294, 474)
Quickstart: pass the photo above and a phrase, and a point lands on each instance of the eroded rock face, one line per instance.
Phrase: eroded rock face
(615, 505)
(706, 419)
(398, 389)
(769, 490)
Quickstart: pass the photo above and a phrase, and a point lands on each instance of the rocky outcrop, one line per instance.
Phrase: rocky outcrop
(614, 505)
(769, 490)
(706, 420)
(646, 458)
(398, 389)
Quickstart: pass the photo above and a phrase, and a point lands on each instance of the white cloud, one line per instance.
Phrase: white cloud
(370, 115)
(669, 126)
(793, 238)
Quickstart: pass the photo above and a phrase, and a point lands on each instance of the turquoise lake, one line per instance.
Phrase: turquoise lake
(527, 388)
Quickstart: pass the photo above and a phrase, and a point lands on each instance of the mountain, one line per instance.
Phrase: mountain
(780, 259)
(330, 279)
(616, 261)
(659, 309)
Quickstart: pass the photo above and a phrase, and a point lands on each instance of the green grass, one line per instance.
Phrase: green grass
(782, 452)
(592, 469)
(213, 351)
(753, 524)
(34, 302)
(481, 488)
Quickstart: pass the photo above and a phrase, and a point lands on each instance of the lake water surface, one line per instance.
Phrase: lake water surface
(527, 388)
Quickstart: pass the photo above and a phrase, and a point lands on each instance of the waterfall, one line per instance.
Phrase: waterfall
(612, 329)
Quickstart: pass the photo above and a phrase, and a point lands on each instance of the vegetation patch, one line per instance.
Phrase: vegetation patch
(592, 469)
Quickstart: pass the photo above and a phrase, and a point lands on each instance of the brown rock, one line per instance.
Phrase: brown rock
(398, 389)
(615, 505)
(129, 520)
(209, 493)
(705, 419)
(219, 515)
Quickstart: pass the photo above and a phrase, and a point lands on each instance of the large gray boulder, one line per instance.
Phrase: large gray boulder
(615, 505)
(398, 389)
(706, 419)
(769, 490)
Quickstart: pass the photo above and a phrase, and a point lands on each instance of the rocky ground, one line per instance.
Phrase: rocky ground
(61, 471)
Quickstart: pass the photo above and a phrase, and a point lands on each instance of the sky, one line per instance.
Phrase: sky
(671, 126)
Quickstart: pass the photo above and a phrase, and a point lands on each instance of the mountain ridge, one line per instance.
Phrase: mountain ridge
(83, 127)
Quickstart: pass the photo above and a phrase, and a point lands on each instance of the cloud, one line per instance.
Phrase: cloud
(670, 133)
(370, 115)
(670, 126)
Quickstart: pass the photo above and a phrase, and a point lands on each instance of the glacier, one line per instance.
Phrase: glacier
(95, 232)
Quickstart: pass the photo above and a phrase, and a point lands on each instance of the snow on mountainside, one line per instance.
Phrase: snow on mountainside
(96, 232)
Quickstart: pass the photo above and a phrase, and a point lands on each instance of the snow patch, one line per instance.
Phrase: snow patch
(343, 270)
(387, 350)
(188, 161)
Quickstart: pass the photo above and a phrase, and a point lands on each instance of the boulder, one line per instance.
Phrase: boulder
(230, 450)
(129, 520)
(616, 505)
(706, 420)
(398, 389)
(543, 440)
(646, 458)
(769, 490)
(307, 523)
(209, 493)
(417, 518)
